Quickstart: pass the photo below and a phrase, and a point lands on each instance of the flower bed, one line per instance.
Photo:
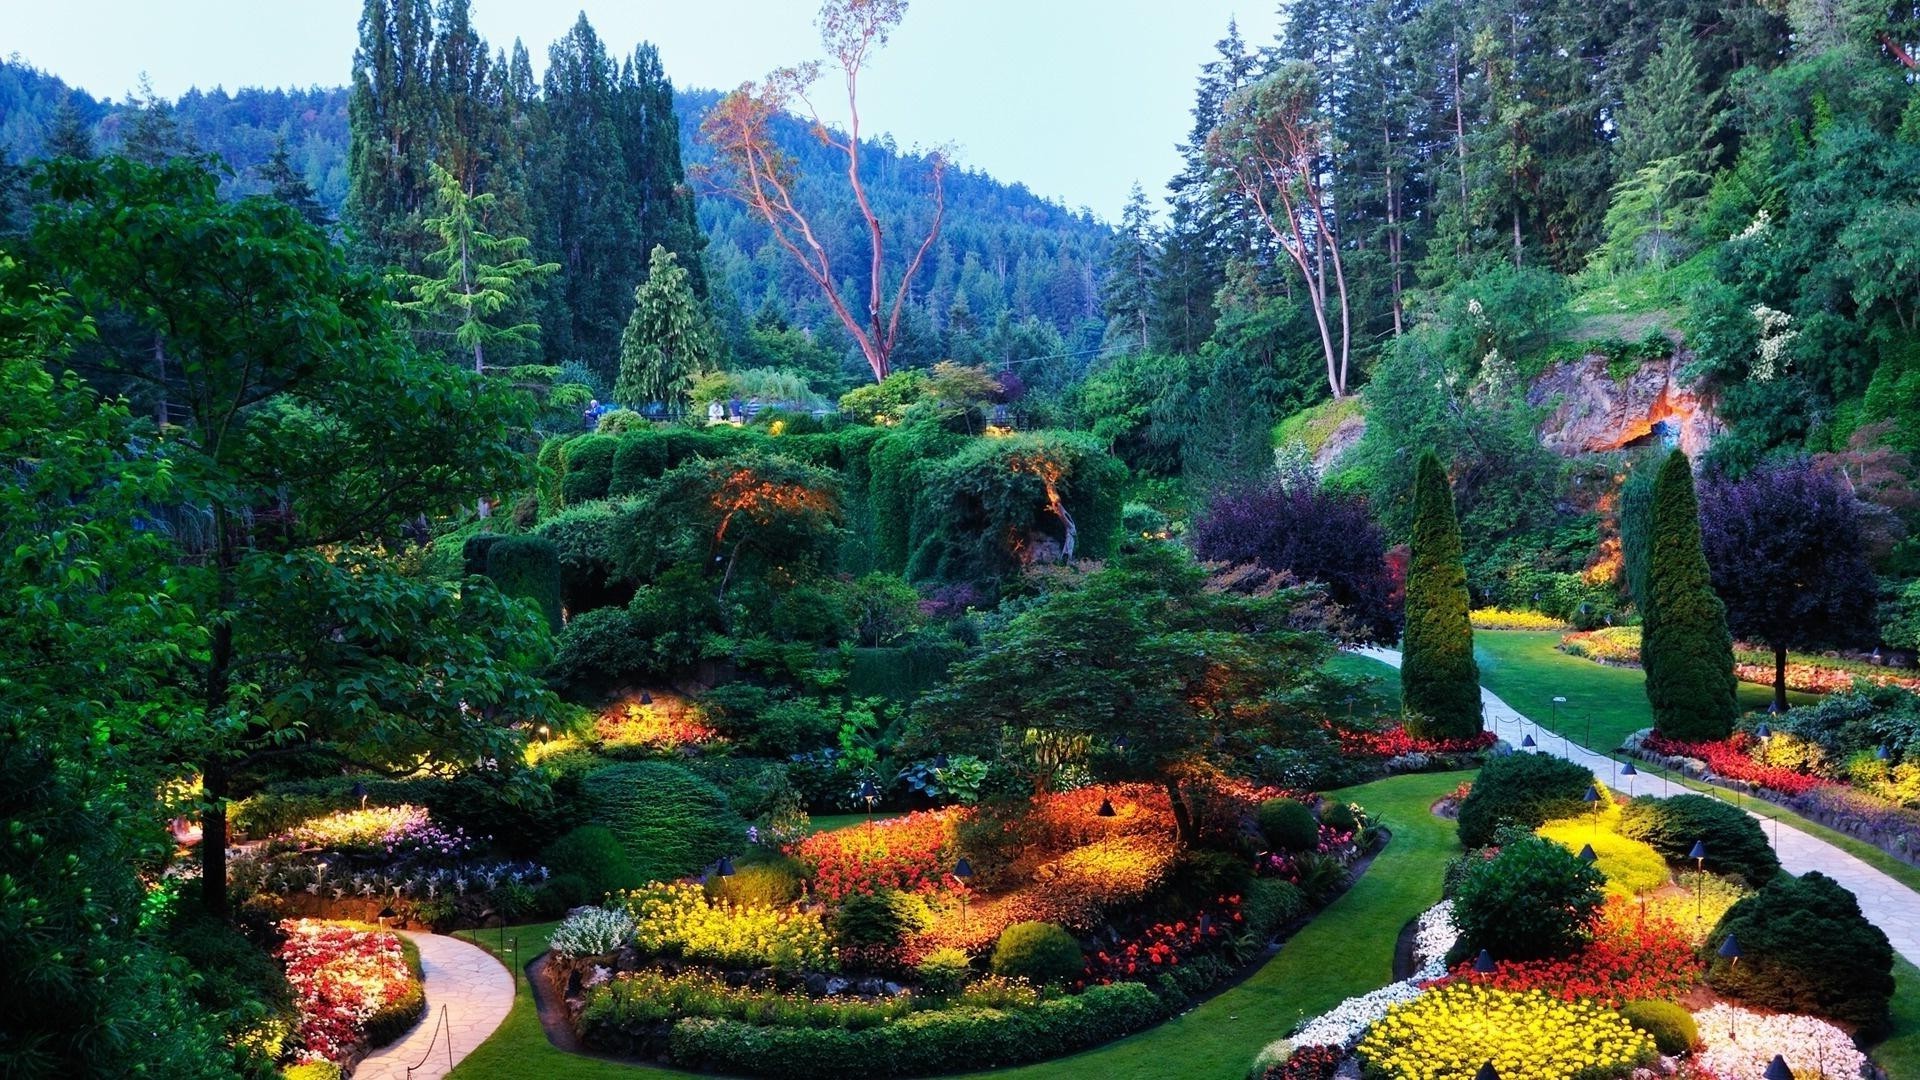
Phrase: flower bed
(1805, 674)
(1493, 618)
(1632, 956)
(1452, 1030)
(680, 920)
(392, 832)
(1737, 1042)
(1732, 758)
(665, 724)
(352, 986)
(914, 853)
(1395, 742)
(1163, 945)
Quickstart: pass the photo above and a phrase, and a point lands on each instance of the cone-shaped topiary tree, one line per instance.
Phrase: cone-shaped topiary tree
(1440, 683)
(1685, 646)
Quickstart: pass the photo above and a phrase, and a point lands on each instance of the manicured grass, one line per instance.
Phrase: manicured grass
(829, 822)
(1347, 950)
(1900, 1054)
(1382, 693)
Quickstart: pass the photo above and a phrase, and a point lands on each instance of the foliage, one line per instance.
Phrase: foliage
(1493, 618)
(1439, 681)
(1315, 535)
(1686, 649)
(872, 920)
(1526, 790)
(1529, 1034)
(1735, 842)
(670, 821)
(1001, 503)
(632, 1001)
(943, 971)
(1671, 1026)
(586, 539)
(528, 568)
(1038, 952)
(591, 931)
(912, 853)
(925, 1043)
(587, 468)
(665, 344)
(681, 920)
(595, 855)
(1534, 900)
(1630, 866)
(1806, 948)
(1288, 825)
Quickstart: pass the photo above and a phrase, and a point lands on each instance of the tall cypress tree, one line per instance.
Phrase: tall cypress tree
(1685, 646)
(1439, 680)
(650, 141)
(390, 108)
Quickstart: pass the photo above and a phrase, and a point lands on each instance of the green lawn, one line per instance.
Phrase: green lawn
(1382, 693)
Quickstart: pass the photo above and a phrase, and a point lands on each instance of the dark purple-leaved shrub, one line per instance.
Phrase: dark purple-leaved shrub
(1316, 535)
(1787, 547)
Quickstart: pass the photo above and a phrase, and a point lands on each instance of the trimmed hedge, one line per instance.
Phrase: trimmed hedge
(1288, 825)
(594, 855)
(473, 552)
(528, 567)
(1039, 952)
(588, 468)
(1685, 647)
(1805, 947)
(1439, 679)
(587, 541)
(1672, 1026)
(1526, 790)
(671, 822)
(600, 648)
(920, 1044)
(1736, 844)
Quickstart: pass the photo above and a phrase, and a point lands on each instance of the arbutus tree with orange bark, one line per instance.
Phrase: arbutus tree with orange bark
(750, 167)
(1272, 150)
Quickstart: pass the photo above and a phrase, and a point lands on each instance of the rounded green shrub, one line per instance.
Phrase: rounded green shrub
(1288, 825)
(594, 855)
(473, 551)
(670, 821)
(1736, 844)
(588, 541)
(1671, 1026)
(1805, 947)
(1525, 790)
(1039, 952)
(588, 464)
(1535, 900)
(943, 971)
(599, 648)
(528, 567)
(869, 920)
(562, 893)
(1339, 817)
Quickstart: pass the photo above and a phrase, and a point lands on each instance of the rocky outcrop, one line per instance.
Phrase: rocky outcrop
(1344, 437)
(1592, 412)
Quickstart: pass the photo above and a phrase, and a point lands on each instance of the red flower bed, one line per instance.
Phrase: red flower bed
(1731, 758)
(1632, 956)
(342, 978)
(1395, 741)
(913, 853)
(1162, 945)
(1307, 1063)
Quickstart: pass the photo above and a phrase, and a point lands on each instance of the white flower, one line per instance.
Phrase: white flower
(591, 932)
(1775, 335)
(1741, 1043)
(1433, 939)
(1345, 1023)
(1761, 222)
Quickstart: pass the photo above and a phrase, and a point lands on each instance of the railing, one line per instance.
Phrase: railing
(438, 1026)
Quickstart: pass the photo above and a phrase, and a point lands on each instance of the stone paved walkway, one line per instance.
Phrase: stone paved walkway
(1887, 903)
(477, 993)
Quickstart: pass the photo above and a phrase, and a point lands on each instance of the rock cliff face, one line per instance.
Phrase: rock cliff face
(1592, 412)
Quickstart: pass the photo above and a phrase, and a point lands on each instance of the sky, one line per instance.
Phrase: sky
(1075, 98)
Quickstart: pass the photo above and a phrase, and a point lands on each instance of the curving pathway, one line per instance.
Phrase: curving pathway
(476, 991)
(1886, 902)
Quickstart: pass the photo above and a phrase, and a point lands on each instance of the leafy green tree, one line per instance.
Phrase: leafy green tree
(87, 632)
(1166, 679)
(1685, 646)
(482, 276)
(309, 434)
(1439, 680)
(667, 343)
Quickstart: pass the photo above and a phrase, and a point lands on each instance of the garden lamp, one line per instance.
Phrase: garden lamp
(1881, 752)
(1730, 950)
(963, 869)
(940, 761)
(1699, 857)
(1699, 853)
(1120, 744)
(1587, 855)
(1106, 808)
(1483, 964)
(1487, 1072)
(646, 698)
(1528, 743)
(1206, 924)
(871, 795)
(1592, 799)
(724, 867)
(1554, 716)
(1627, 770)
(1763, 732)
(1777, 1069)
(359, 791)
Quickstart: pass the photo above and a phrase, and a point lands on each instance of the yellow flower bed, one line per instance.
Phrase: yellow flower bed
(1116, 870)
(1450, 1032)
(678, 919)
(1493, 618)
(1631, 867)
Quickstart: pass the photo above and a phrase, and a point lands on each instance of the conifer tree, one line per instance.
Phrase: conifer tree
(391, 111)
(1668, 112)
(481, 276)
(1439, 679)
(284, 182)
(1128, 295)
(656, 179)
(154, 137)
(68, 135)
(1685, 647)
(666, 343)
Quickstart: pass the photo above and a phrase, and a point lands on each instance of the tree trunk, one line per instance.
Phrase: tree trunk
(1182, 817)
(1780, 678)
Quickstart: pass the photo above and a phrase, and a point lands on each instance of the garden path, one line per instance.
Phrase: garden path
(1886, 902)
(476, 991)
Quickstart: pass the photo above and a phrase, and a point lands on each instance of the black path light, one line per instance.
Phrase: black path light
(940, 762)
(1881, 752)
(1483, 964)
(1528, 743)
(1592, 799)
(963, 872)
(724, 867)
(359, 791)
(1629, 772)
(1777, 1069)
(1699, 857)
(1553, 721)
(1587, 855)
(646, 698)
(1487, 1072)
(1106, 808)
(869, 795)
(1730, 950)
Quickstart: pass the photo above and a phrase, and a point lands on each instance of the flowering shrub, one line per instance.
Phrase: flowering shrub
(662, 725)
(634, 998)
(1741, 1043)
(394, 831)
(1631, 867)
(1452, 1030)
(1860, 813)
(1806, 674)
(679, 920)
(1163, 945)
(344, 978)
(1732, 758)
(1395, 742)
(1631, 956)
(911, 853)
(1493, 618)
(1307, 1063)
(591, 932)
(1608, 645)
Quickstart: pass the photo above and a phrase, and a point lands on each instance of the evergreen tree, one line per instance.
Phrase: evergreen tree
(481, 277)
(68, 135)
(391, 111)
(1668, 112)
(1439, 679)
(154, 136)
(1685, 647)
(285, 183)
(656, 181)
(1127, 298)
(666, 344)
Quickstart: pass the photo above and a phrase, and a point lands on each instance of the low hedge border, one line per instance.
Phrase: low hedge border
(387, 1026)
